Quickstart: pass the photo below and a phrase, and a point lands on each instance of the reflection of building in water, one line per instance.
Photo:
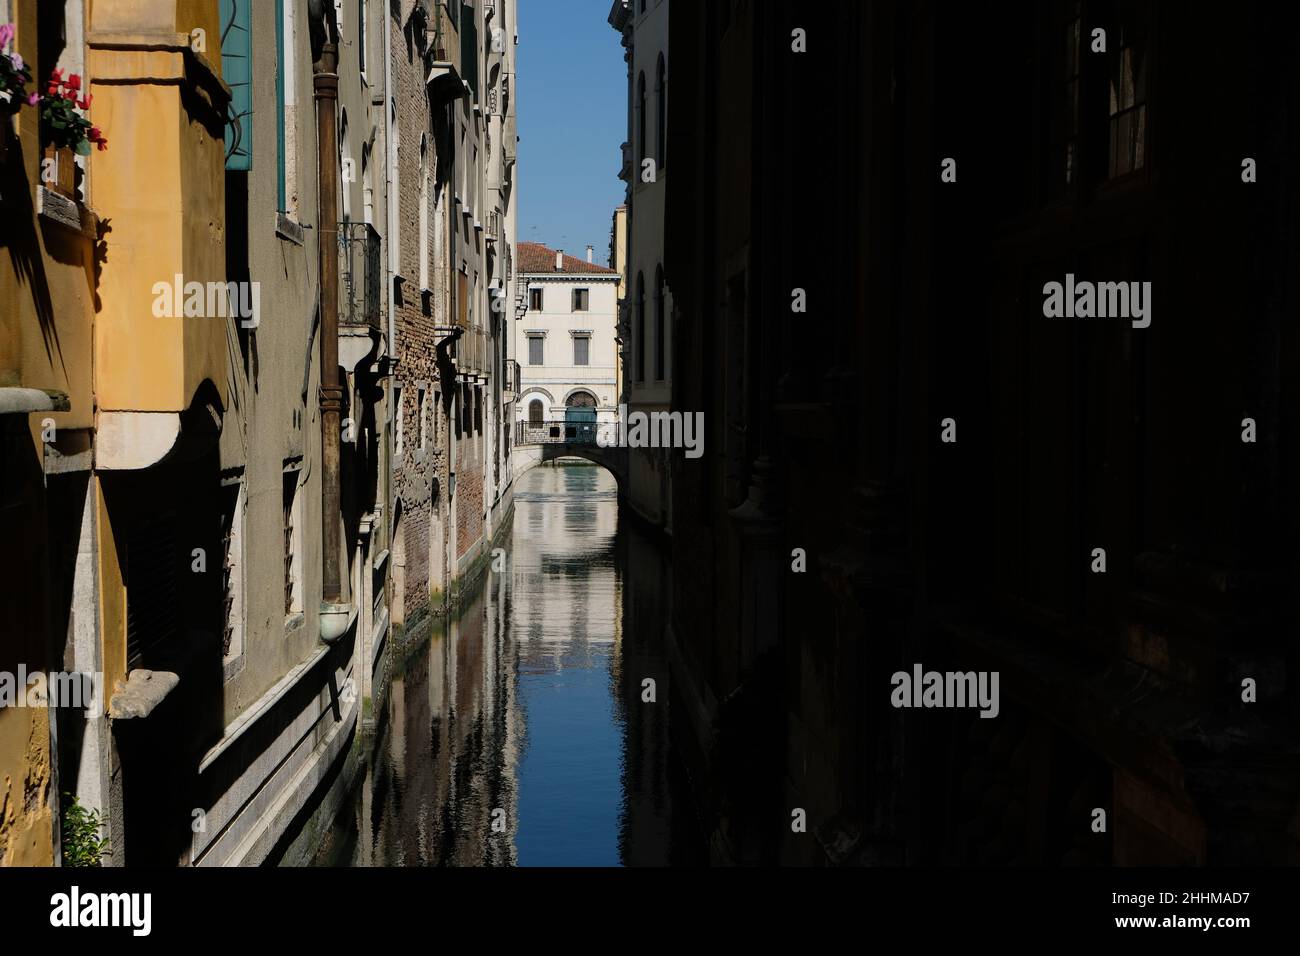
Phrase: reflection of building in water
(452, 753)
(563, 559)
(531, 703)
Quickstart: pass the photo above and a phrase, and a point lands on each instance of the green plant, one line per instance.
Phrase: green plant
(82, 843)
(63, 122)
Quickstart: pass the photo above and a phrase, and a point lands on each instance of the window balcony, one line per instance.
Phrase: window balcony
(361, 275)
(445, 81)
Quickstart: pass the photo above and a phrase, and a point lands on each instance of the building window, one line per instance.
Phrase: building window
(642, 152)
(535, 349)
(582, 350)
(660, 356)
(236, 70)
(394, 236)
(232, 569)
(535, 300)
(424, 213)
(661, 113)
(638, 333)
(292, 509)
(367, 185)
(286, 109)
(422, 409)
(536, 411)
(400, 421)
(362, 16)
(580, 299)
(1127, 100)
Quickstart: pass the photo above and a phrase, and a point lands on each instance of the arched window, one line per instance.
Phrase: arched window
(345, 160)
(659, 325)
(367, 185)
(661, 118)
(638, 334)
(641, 145)
(424, 212)
(535, 412)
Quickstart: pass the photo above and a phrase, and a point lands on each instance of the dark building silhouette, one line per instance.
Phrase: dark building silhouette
(1121, 691)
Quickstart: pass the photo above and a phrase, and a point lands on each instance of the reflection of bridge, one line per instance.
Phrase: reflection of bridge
(539, 442)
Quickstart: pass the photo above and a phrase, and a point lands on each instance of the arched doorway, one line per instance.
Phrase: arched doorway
(580, 417)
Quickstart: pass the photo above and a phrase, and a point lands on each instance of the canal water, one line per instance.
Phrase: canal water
(517, 733)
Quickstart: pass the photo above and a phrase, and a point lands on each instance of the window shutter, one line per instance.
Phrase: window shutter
(237, 71)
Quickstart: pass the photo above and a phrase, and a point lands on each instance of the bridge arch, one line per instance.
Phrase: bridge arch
(614, 460)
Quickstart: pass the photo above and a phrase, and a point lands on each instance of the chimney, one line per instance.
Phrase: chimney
(559, 260)
(589, 253)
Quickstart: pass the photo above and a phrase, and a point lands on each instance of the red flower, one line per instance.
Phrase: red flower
(74, 82)
(56, 74)
(85, 103)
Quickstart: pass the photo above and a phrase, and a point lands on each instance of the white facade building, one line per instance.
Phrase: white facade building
(566, 344)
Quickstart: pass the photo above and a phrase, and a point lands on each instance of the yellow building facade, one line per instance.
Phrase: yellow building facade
(105, 407)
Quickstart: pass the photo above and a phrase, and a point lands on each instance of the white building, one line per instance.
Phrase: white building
(567, 348)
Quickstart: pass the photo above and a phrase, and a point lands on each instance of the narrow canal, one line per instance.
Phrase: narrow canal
(517, 733)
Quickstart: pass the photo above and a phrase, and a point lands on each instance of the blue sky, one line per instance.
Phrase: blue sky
(572, 117)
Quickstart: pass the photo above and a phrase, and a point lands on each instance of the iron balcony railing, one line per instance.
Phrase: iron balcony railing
(555, 432)
(361, 274)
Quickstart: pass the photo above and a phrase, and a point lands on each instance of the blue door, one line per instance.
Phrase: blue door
(580, 425)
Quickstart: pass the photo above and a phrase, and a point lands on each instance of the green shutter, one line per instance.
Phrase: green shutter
(237, 69)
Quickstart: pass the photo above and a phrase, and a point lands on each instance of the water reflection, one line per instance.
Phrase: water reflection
(517, 733)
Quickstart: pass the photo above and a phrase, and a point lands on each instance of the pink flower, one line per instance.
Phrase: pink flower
(33, 99)
(6, 33)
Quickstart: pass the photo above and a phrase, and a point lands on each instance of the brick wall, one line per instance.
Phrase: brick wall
(421, 481)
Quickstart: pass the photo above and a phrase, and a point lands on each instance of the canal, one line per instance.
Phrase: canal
(518, 733)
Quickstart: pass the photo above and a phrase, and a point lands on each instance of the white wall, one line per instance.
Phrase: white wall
(554, 381)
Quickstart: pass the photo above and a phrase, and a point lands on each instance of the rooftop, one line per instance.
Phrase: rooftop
(537, 259)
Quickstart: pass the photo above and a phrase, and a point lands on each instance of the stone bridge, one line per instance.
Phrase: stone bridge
(536, 443)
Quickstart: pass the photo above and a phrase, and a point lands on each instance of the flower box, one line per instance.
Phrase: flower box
(59, 170)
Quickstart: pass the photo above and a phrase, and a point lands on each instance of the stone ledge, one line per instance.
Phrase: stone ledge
(68, 213)
(143, 692)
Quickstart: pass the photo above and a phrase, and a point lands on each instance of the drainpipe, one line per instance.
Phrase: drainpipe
(389, 223)
(335, 615)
